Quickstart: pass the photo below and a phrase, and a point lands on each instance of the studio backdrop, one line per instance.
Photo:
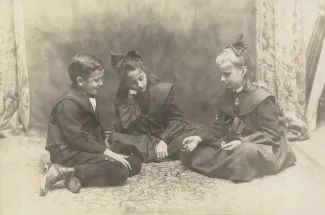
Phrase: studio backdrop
(178, 40)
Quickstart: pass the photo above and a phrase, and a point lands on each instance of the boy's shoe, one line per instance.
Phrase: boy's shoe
(52, 174)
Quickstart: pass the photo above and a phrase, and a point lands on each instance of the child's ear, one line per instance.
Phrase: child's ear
(244, 70)
(79, 81)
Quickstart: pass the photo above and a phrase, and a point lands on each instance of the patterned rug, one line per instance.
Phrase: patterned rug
(161, 188)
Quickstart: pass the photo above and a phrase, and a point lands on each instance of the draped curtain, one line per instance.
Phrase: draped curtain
(315, 79)
(281, 59)
(14, 88)
(281, 63)
(313, 53)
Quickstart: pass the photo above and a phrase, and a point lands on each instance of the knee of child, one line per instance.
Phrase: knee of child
(118, 175)
(186, 158)
(249, 150)
(136, 164)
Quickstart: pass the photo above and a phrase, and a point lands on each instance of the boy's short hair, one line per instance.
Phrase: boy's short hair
(83, 65)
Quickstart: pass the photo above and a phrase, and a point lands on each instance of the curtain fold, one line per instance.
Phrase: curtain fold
(313, 52)
(321, 108)
(316, 92)
(14, 87)
(315, 78)
(281, 60)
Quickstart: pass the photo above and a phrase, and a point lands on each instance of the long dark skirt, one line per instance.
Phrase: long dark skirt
(248, 161)
(143, 145)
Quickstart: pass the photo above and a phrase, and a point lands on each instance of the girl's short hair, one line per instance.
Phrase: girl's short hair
(83, 65)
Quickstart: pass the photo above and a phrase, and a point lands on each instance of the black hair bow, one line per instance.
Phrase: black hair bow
(238, 47)
(119, 60)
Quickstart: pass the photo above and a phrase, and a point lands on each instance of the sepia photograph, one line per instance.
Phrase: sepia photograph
(162, 107)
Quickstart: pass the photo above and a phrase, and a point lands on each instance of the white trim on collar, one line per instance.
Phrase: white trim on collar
(93, 103)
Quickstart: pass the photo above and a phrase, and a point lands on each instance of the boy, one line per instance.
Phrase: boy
(76, 139)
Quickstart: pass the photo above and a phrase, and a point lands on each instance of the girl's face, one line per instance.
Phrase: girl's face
(136, 80)
(232, 76)
(92, 83)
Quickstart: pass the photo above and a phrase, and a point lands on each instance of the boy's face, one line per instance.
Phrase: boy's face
(92, 83)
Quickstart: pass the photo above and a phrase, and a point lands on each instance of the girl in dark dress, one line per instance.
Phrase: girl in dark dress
(149, 123)
(246, 140)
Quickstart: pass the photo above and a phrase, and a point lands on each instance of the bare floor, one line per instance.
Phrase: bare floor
(164, 188)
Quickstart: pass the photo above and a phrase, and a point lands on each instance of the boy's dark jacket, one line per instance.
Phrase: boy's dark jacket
(74, 127)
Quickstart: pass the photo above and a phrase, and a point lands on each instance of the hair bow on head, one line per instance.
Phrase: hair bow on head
(119, 60)
(134, 54)
(238, 47)
(116, 60)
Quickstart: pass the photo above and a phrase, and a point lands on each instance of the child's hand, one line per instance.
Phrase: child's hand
(121, 158)
(132, 93)
(231, 145)
(161, 150)
(118, 157)
(107, 144)
(190, 143)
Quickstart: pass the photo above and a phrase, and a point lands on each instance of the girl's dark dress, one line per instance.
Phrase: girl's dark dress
(142, 121)
(252, 117)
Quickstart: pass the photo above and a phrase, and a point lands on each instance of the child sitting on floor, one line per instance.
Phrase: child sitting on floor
(76, 139)
(247, 140)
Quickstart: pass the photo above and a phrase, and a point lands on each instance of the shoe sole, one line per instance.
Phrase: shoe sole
(43, 190)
